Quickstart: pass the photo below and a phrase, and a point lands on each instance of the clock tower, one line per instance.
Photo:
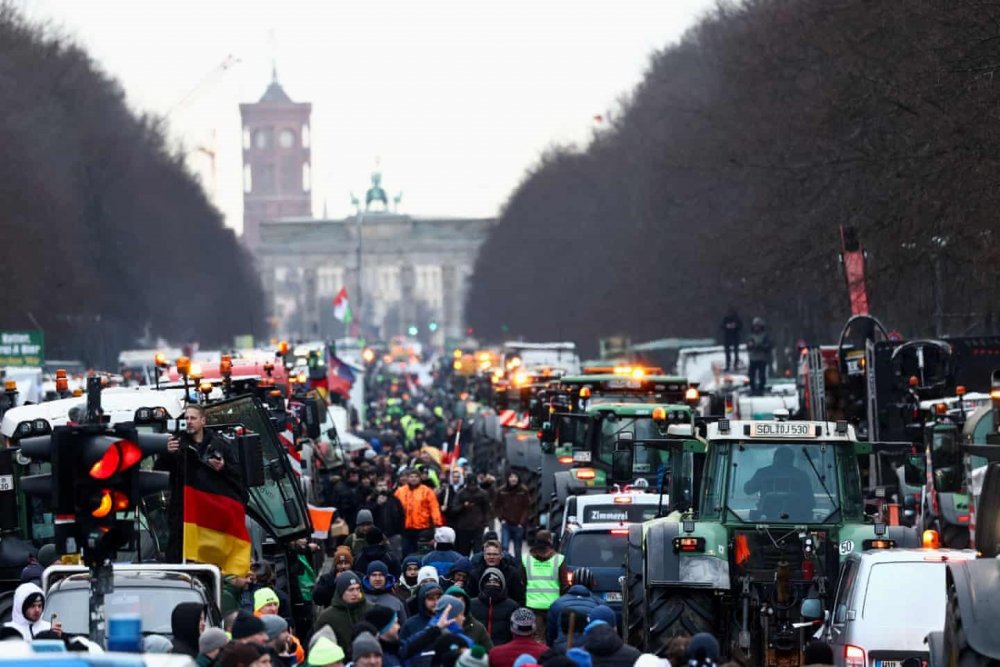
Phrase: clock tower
(277, 169)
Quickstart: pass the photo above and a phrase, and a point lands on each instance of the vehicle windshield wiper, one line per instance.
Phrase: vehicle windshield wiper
(833, 503)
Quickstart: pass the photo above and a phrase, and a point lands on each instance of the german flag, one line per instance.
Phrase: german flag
(215, 528)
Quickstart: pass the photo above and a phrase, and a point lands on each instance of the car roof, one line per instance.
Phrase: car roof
(912, 555)
(609, 498)
(134, 578)
(602, 527)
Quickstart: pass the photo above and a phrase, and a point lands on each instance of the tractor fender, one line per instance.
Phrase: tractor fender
(665, 567)
(977, 589)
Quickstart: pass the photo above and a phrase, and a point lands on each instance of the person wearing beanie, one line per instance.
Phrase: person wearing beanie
(425, 602)
(817, 654)
(420, 507)
(265, 601)
(26, 612)
(408, 580)
(473, 657)
(248, 629)
(543, 571)
(580, 657)
(356, 541)
(325, 653)
(443, 556)
(650, 660)
(605, 647)
(426, 575)
(446, 651)
(210, 643)
(366, 651)
(378, 585)
(475, 630)
(387, 513)
(703, 651)
(325, 586)
(492, 607)
(493, 556)
(579, 600)
(187, 622)
(460, 571)
(376, 547)
(525, 659)
(280, 638)
(523, 642)
(348, 607)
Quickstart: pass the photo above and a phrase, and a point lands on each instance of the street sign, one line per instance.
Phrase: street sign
(22, 348)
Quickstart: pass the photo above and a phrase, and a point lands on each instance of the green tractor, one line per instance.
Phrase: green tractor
(754, 560)
(638, 436)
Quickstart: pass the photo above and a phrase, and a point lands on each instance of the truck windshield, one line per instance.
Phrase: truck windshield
(153, 604)
(783, 483)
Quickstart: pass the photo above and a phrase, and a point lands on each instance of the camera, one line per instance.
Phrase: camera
(176, 425)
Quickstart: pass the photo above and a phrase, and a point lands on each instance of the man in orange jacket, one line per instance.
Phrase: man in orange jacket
(420, 507)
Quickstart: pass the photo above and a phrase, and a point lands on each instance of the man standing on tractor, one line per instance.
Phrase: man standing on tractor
(759, 352)
(732, 327)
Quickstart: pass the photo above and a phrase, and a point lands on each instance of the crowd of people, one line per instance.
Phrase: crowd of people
(424, 565)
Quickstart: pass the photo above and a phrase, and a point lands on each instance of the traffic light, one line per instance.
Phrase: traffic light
(112, 484)
(95, 476)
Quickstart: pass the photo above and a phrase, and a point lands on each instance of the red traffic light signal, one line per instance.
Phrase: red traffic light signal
(118, 456)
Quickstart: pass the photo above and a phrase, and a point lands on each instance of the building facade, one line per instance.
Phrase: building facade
(402, 273)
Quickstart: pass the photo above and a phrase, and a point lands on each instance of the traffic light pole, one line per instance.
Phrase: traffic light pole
(102, 576)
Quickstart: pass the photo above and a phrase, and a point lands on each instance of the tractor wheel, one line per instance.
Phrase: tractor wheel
(633, 591)
(677, 613)
(988, 513)
(956, 649)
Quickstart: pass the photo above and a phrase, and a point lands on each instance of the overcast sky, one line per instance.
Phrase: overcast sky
(456, 98)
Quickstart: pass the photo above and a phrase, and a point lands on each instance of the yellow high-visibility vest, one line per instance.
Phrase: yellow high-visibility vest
(542, 581)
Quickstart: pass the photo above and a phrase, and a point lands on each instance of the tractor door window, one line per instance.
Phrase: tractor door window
(714, 482)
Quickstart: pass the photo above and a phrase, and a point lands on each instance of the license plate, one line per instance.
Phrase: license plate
(888, 663)
(581, 457)
(613, 597)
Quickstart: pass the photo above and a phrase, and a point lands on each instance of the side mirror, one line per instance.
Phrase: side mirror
(812, 609)
(915, 470)
(621, 465)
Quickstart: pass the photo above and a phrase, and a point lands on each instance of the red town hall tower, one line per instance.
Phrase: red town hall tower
(277, 179)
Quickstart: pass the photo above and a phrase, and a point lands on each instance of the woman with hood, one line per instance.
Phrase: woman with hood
(26, 614)
(348, 607)
(187, 622)
(492, 607)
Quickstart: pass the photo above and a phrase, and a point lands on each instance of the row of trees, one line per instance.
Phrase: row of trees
(725, 175)
(106, 235)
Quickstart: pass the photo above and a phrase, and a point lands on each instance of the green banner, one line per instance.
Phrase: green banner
(22, 348)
